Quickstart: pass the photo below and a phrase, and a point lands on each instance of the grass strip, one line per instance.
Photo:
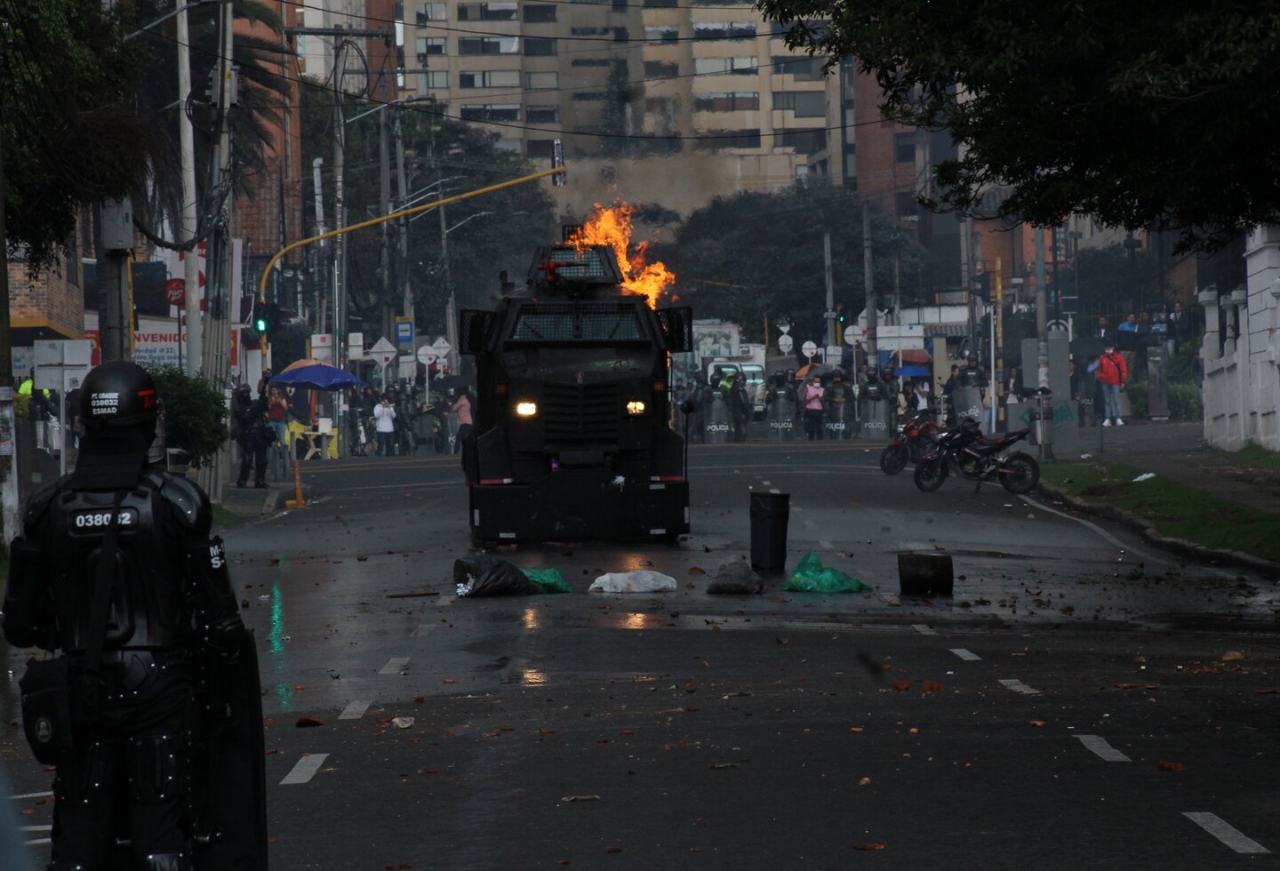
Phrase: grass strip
(1176, 510)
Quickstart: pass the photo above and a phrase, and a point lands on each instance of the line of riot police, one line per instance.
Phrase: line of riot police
(721, 409)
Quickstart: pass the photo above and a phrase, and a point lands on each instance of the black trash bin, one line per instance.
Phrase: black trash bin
(769, 513)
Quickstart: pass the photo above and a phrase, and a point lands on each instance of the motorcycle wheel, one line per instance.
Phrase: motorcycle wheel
(893, 459)
(1020, 474)
(931, 472)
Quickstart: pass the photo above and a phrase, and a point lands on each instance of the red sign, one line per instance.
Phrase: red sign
(175, 290)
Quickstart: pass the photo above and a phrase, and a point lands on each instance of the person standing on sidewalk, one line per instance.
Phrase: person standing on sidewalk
(1113, 375)
(384, 418)
(813, 393)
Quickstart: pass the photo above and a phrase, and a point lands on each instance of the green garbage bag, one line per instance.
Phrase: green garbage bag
(548, 580)
(811, 576)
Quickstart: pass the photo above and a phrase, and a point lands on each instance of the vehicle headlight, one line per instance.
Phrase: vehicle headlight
(635, 406)
(526, 409)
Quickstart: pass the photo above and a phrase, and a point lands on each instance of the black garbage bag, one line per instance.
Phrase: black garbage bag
(490, 576)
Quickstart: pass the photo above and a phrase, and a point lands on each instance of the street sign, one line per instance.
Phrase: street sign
(809, 349)
(851, 335)
(384, 352)
(441, 346)
(1057, 326)
(175, 290)
(785, 343)
(426, 355)
(404, 330)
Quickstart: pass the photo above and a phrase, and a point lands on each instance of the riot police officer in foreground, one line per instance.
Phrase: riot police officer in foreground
(152, 713)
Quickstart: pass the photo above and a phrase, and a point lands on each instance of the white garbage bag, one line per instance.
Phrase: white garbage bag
(633, 582)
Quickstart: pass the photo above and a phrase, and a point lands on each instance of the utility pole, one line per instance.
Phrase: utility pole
(1042, 314)
(384, 191)
(868, 279)
(402, 269)
(187, 157)
(833, 340)
(9, 525)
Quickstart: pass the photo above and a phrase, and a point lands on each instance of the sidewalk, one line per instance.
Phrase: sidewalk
(1178, 452)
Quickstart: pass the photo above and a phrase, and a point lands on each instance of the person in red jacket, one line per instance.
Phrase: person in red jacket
(1113, 375)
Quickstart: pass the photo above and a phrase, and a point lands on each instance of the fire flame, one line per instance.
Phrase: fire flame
(612, 226)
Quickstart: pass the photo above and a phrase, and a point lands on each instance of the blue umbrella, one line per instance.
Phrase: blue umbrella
(912, 372)
(315, 375)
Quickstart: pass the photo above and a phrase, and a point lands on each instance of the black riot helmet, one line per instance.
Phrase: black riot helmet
(118, 408)
(119, 396)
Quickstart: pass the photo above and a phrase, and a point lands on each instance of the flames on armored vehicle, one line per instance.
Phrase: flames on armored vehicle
(611, 226)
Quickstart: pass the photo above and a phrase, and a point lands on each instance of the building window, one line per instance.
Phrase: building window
(729, 102)
(428, 46)
(487, 11)
(424, 12)
(729, 139)
(539, 14)
(539, 47)
(661, 33)
(541, 81)
(489, 45)
(542, 114)
(904, 147)
(724, 30)
(540, 148)
(591, 62)
(659, 4)
(491, 112)
(590, 96)
(435, 80)
(805, 104)
(738, 66)
(805, 69)
(489, 79)
(590, 31)
(906, 205)
(656, 69)
(803, 141)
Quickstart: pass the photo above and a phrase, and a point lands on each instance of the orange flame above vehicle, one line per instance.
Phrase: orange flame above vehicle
(612, 226)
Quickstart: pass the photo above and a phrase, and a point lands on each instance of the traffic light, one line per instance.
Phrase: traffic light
(266, 316)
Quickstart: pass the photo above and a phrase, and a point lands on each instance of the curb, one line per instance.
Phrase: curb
(1180, 546)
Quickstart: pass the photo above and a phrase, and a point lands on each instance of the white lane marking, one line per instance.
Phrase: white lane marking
(395, 665)
(1104, 750)
(48, 828)
(775, 490)
(1117, 543)
(825, 545)
(923, 629)
(38, 841)
(796, 508)
(1227, 834)
(966, 655)
(305, 769)
(32, 795)
(421, 631)
(1019, 687)
(355, 710)
(767, 484)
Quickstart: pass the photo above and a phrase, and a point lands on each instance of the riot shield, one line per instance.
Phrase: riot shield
(966, 402)
(233, 795)
(839, 419)
(781, 416)
(719, 419)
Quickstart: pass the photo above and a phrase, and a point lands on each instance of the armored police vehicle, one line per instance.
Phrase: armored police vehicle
(572, 438)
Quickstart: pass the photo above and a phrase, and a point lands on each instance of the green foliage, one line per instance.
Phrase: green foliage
(71, 135)
(195, 412)
(1082, 106)
(753, 256)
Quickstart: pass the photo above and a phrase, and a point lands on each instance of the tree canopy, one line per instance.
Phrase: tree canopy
(753, 256)
(1143, 113)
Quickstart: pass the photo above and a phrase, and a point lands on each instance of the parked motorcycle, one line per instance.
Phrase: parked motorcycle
(915, 436)
(964, 450)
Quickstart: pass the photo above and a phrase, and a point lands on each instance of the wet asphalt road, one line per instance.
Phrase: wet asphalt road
(1084, 700)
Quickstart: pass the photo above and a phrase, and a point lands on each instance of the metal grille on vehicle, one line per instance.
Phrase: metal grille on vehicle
(580, 412)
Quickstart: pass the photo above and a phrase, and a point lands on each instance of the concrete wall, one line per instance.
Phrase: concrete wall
(1241, 350)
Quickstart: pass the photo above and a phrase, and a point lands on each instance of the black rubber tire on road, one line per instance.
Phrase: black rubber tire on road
(931, 471)
(894, 458)
(1020, 474)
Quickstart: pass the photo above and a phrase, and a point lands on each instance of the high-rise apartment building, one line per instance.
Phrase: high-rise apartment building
(687, 99)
